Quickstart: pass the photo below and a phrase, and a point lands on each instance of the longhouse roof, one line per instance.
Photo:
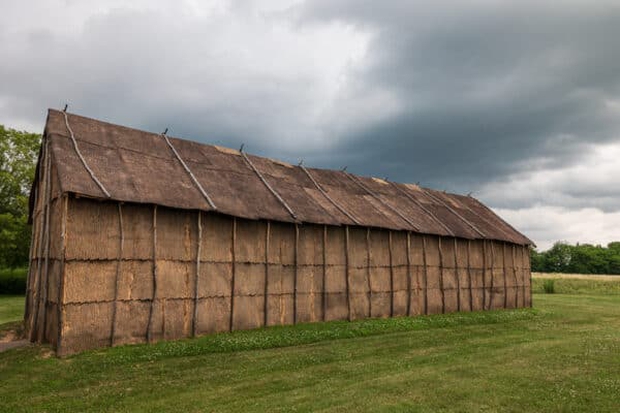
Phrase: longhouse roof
(136, 166)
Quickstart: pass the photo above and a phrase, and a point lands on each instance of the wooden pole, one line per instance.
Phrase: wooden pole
(484, 274)
(471, 296)
(458, 280)
(347, 270)
(492, 275)
(514, 273)
(382, 201)
(61, 274)
(324, 295)
(266, 292)
(459, 216)
(330, 199)
(31, 258)
(523, 290)
(269, 187)
(232, 278)
(409, 282)
(36, 293)
(194, 179)
(425, 273)
(296, 273)
(441, 285)
(118, 273)
(422, 207)
(526, 274)
(368, 272)
(197, 275)
(45, 278)
(504, 276)
(149, 330)
(391, 274)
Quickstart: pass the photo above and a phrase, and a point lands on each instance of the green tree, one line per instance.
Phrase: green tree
(18, 156)
(537, 260)
(579, 258)
(558, 258)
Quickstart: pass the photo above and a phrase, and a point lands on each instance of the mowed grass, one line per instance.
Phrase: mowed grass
(563, 355)
(11, 308)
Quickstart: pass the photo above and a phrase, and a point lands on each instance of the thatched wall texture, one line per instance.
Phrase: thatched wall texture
(154, 260)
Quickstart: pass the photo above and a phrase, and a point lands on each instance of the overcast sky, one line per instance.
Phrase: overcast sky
(516, 102)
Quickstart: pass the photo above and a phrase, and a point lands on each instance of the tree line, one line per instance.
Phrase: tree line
(578, 259)
(18, 156)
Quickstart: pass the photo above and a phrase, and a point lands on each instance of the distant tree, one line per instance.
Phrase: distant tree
(18, 156)
(579, 258)
(613, 254)
(588, 259)
(558, 258)
(537, 261)
(614, 246)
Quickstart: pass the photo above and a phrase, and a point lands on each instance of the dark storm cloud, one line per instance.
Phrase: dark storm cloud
(484, 88)
(221, 78)
(510, 100)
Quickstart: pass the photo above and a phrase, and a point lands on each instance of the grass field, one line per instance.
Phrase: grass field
(11, 308)
(578, 283)
(563, 355)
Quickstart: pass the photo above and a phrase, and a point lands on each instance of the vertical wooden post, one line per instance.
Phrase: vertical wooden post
(368, 272)
(471, 296)
(484, 274)
(391, 274)
(36, 293)
(296, 273)
(324, 296)
(505, 275)
(441, 285)
(266, 292)
(347, 270)
(409, 283)
(514, 273)
(118, 273)
(61, 273)
(526, 273)
(492, 275)
(31, 258)
(425, 272)
(149, 330)
(232, 278)
(523, 291)
(45, 276)
(456, 273)
(197, 275)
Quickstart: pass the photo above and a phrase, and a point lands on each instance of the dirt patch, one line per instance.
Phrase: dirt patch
(12, 332)
(13, 344)
(12, 336)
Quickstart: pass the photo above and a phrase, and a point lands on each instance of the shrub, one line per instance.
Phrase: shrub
(13, 281)
(549, 286)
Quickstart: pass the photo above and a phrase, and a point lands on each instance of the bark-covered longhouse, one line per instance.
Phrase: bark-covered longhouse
(138, 237)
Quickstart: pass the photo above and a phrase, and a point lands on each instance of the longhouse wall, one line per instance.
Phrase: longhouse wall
(141, 273)
(44, 280)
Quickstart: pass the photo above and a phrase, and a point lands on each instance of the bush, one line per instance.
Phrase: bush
(13, 281)
(549, 286)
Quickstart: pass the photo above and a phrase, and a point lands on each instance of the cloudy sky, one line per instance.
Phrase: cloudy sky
(515, 102)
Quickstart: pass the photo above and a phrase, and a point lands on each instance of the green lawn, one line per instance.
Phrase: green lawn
(11, 308)
(564, 355)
